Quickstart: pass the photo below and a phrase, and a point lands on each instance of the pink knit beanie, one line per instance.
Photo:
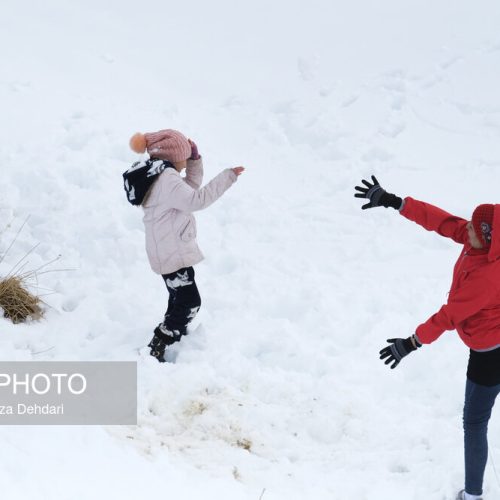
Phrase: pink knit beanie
(166, 144)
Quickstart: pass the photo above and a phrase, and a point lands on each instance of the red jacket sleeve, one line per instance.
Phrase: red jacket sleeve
(463, 303)
(434, 219)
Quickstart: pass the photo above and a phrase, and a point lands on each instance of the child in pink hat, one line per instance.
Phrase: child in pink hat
(169, 200)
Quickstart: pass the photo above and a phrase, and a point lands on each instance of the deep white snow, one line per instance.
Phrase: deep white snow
(278, 393)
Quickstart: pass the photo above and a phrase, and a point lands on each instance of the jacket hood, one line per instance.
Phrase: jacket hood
(140, 177)
(494, 251)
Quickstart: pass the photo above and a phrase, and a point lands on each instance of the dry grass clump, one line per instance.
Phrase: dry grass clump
(17, 302)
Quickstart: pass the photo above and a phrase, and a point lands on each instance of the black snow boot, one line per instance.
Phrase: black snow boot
(158, 347)
(162, 338)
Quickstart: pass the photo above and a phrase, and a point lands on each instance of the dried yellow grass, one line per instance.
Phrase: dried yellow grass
(17, 302)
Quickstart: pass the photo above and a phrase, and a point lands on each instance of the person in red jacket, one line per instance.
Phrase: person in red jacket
(472, 309)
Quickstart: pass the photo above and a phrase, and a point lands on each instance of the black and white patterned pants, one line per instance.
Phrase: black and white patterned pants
(183, 303)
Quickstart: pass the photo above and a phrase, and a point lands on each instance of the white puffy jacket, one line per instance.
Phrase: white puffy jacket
(170, 225)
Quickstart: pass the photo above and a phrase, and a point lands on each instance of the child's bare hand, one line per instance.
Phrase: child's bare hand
(238, 170)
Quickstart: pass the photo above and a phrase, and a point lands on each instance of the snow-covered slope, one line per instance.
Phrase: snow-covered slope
(278, 393)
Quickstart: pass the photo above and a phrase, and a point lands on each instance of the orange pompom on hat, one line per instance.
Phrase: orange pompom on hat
(168, 144)
(138, 143)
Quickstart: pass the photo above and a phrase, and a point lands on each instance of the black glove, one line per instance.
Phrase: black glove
(378, 196)
(399, 349)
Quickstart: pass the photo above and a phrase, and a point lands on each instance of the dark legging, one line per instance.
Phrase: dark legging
(479, 401)
(184, 300)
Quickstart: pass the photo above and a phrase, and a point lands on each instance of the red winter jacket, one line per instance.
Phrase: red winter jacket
(473, 307)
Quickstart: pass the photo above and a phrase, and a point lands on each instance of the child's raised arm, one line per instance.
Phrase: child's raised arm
(435, 219)
(426, 215)
(183, 197)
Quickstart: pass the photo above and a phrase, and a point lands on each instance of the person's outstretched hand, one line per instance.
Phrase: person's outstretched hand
(238, 170)
(377, 195)
(398, 349)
